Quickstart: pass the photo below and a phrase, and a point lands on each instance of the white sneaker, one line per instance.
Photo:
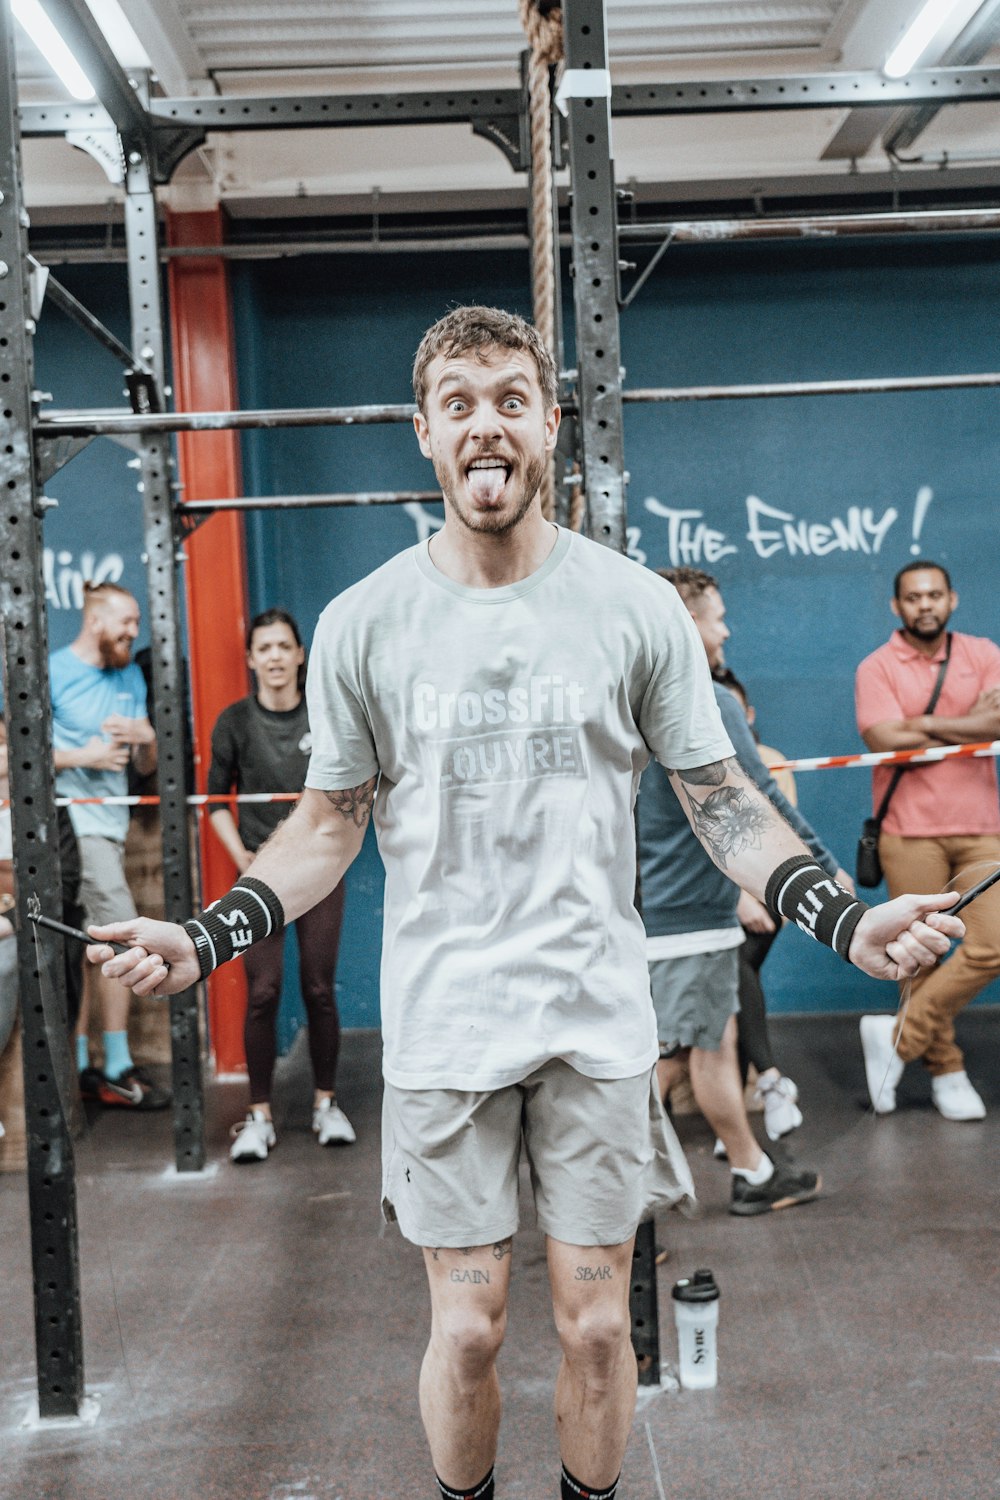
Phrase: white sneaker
(253, 1138)
(781, 1110)
(331, 1125)
(719, 1150)
(955, 1098)
(883, 1068)
(2, 1131)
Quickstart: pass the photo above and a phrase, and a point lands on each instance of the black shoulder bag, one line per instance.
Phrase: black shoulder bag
(868, 866)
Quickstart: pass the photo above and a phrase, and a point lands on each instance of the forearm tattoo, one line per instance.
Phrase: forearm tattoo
(731, 818)
(354, 803)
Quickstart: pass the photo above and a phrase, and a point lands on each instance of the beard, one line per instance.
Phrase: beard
(113, 652)
(496, 522)
(926, 632)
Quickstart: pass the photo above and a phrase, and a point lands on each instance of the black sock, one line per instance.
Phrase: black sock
(481, 1491)
(572, 1489)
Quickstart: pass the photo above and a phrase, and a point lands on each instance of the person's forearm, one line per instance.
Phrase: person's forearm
(225, 829)
(70, 760)
(899, 734)
(735, 823)
(309, 852)
(969, 729)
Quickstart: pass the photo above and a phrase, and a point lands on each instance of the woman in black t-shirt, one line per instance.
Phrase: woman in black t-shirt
(262, 744)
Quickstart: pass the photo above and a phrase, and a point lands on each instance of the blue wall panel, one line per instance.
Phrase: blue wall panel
(96, 531)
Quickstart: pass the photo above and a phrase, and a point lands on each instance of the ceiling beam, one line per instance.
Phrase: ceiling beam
(175, 58)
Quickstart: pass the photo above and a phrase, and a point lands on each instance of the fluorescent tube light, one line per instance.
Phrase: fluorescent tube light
(52, 47)
(917, 37)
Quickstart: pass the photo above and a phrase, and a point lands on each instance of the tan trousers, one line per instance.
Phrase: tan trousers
(940, 864)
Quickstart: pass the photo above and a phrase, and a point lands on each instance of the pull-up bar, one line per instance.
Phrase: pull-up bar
(112, 423)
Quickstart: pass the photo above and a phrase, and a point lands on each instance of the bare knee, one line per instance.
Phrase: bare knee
(594, 1337)
(469, 1340)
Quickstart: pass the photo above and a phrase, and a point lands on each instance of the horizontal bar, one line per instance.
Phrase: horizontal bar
(108, 424)
(111, 423)
(815, 226)
(308, 502)
(874, 386)
(807, 91)
(458, 106)
(302, 111)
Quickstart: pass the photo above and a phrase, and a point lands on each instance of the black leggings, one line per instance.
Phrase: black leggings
(752, 1037)
(319, 936)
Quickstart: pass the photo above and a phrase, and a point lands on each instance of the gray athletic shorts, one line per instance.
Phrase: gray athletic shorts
(601, 1154)
(694, 997)
(104, 894)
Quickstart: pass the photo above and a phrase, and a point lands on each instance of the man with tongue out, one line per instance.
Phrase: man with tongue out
(492, 695)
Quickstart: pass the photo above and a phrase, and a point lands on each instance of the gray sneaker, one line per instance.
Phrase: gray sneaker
(786, 1187)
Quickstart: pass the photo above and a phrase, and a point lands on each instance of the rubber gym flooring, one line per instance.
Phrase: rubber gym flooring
(256, 1334)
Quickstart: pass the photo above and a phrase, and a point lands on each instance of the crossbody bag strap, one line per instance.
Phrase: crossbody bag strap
(931, 705)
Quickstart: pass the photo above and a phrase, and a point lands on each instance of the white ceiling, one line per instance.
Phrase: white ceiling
(339, 46)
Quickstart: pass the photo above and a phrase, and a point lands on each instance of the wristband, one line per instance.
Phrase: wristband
(802, 891)
(244, 915)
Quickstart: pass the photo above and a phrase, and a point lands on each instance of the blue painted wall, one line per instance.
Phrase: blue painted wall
(96, 530)
(734, 487)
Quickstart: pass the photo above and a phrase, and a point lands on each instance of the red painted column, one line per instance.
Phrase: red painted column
(204, 378)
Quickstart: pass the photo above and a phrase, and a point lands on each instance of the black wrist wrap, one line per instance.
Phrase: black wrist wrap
(802, 891)
(244, 915)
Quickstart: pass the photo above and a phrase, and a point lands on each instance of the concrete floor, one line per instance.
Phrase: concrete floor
(256, 1335)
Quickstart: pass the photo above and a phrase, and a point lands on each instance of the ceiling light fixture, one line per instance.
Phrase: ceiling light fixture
(52, 47)
(918, 37)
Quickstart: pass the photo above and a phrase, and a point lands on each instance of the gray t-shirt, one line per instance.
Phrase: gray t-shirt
(510, 727)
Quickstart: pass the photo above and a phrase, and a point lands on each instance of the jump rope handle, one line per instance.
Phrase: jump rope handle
(35, 915)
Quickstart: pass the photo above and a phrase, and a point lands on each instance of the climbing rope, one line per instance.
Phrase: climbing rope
(542, 23)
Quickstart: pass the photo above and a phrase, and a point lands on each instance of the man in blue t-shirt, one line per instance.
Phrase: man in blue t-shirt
(99, 723)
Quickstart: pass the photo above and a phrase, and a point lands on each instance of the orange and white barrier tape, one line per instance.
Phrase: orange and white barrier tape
(814, 763)
(892, 757)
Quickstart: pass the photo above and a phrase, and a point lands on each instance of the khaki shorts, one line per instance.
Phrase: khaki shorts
(693, 998)
(601, 1153)
(104, 894)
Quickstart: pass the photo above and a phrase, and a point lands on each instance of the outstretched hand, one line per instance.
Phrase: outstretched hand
(899, 938)
(160, 960)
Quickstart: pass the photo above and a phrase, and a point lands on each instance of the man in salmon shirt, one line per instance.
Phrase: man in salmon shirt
(942, 827)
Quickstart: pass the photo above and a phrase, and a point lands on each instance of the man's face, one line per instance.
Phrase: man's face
(488, 435)
(117, 626)
(709, 614)
(925, 603)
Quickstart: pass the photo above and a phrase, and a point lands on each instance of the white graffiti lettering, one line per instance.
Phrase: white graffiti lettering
(64, 588)
(859, 532)
(689, 539)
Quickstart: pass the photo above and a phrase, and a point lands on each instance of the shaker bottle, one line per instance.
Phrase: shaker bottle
(696, 1313)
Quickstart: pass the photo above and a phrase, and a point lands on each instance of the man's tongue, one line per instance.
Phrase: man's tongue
(486, 484)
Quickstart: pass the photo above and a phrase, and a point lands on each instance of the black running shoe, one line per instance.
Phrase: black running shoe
(786, 1187)
(133, 1089)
